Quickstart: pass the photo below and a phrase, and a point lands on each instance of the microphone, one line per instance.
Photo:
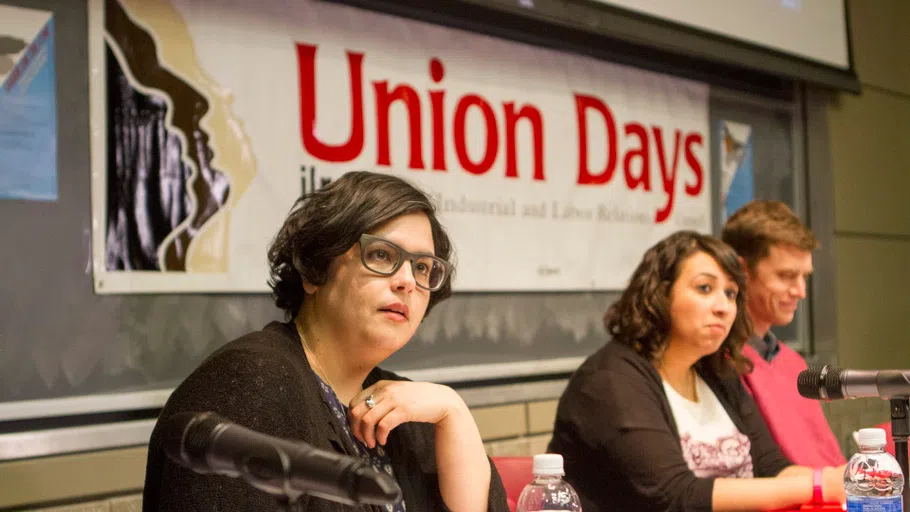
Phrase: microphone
(833, 383)
(209, 444)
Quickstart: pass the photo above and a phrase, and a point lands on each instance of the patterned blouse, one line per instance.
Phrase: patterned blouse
(376, 457)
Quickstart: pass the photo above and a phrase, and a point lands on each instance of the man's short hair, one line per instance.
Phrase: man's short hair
(760, 224)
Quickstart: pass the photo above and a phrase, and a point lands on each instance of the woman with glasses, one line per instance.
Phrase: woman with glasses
(355, 267)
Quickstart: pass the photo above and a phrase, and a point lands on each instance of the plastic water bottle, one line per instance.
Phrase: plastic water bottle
(548, 491)
(873, 478)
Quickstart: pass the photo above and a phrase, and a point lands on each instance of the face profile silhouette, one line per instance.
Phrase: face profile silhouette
(177, 158)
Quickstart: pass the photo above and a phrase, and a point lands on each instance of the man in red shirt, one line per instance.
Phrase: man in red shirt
(776, 251)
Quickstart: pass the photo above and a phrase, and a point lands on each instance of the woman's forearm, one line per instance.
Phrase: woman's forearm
(464, 470)
(794, 486)
(735, 494)
(795, 471)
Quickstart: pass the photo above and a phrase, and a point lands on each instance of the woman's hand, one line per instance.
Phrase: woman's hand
(396, 402)
(462, 464)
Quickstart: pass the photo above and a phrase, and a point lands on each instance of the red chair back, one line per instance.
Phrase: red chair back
(516, 473)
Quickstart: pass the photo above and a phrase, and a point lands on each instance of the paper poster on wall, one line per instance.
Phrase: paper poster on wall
(551, 171)
(28, 105)
(736, 166)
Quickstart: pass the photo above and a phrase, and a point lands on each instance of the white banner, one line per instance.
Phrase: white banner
(552, 171)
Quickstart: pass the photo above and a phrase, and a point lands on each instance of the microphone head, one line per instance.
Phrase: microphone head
(209, 444)
(375, 487)
(820, 383)
(186, 436)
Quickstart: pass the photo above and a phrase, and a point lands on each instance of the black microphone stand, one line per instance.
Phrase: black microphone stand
(900, 430)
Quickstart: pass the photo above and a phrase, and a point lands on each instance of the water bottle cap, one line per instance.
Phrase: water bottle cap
(872, 437)
(548, 464)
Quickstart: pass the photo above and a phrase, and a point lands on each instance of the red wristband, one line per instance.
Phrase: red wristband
(817, 497)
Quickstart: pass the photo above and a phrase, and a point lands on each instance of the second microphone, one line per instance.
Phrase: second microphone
(833, 383)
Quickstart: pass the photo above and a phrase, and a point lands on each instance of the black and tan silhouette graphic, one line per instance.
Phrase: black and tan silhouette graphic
(177, 158)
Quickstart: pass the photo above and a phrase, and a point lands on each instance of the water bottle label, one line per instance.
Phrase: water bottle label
(877, 504)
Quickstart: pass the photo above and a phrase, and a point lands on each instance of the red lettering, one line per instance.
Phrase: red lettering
(697, 170)
(437, 72)
(491, 146)
(349, 150)
(532, 114)
(642, 152)
(668, 173)
(389, 96)
(585, 177)
(411, 101)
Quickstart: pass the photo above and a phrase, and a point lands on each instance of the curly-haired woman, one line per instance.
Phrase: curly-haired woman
(658, 419)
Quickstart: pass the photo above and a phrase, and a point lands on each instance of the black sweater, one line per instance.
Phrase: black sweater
(263, 381)
(616, 432)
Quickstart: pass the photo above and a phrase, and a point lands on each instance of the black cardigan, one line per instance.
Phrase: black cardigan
(616, 431)
(263, 381)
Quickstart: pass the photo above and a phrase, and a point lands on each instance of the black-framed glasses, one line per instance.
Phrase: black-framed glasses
(385, 258)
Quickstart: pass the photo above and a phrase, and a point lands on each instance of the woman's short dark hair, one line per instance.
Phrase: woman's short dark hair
(641, 316)
(324, 224)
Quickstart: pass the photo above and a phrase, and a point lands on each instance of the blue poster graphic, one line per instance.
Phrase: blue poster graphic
(28, 105)
(736, 166)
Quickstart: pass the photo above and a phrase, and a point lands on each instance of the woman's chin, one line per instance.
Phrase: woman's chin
(712, 345)
(386, 343)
